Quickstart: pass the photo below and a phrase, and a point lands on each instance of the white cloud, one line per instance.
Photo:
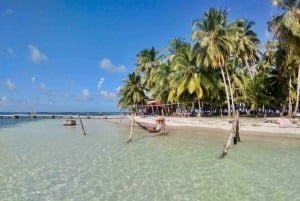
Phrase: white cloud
(36, 56)
(84, 96)
(118, 89)
(85, 93)
(107, 95)
(9, 11)
(100, 82)
(3, 98)
(10, 85)
(33, 79)
(3, 101)
(43, 86)
(108, 66)
(11, 52)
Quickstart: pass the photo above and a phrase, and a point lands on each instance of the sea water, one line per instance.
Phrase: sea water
(44, 160)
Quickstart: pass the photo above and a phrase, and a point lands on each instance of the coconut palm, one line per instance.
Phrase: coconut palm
(132, 93)
(161, 89)
(214, 43)
(147, 61)
(246, 51)
(286, 27)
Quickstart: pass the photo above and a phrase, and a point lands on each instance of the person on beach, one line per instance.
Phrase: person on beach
(157, 127)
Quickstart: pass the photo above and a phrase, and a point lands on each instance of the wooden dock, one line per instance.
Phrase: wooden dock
(50, 116)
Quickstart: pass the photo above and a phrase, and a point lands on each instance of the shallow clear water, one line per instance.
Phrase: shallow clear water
(42, 160)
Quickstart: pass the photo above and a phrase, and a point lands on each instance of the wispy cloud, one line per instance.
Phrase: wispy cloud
(11, 52)
(106, 64)
(10, 85)
(84, 96)
(33, 79)
(107, 95)
(48, 92)
(118, 89)
(100, 82)
(9, 11)
(36, 56)
(3, 99)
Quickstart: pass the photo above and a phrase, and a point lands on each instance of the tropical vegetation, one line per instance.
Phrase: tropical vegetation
(223, 68)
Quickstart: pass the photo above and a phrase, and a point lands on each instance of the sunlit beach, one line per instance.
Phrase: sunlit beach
(150, 100)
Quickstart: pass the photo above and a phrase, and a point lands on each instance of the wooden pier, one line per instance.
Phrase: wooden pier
(50, 116)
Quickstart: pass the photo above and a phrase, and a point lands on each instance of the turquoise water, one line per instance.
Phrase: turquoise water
(42, 160)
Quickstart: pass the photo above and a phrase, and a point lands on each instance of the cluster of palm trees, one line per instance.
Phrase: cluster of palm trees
(224, 65)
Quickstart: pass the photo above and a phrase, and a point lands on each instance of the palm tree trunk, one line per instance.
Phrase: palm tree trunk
(226, 91)
(231, 91)
(298, 93)
(199, 105)
(290, 98)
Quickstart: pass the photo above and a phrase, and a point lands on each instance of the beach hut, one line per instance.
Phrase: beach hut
(153, 107)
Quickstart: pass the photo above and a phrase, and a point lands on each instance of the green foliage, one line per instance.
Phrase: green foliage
(191, 71)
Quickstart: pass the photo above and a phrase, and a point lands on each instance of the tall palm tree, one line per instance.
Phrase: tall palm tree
(214, 44)
(147, 61)
(286, 27)
(132, 93)
(246, 49)
(161, 89)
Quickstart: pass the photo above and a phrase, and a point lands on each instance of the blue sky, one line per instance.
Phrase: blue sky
(72, 55)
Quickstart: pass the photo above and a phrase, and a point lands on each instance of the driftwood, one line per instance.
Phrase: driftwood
(234, 134)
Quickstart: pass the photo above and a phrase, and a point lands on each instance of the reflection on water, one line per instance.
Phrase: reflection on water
(43, 160)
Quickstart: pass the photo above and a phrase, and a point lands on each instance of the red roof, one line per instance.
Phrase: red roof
(154, 102)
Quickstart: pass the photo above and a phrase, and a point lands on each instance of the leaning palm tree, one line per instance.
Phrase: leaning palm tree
(214, 44)
(132, 93)
(286, 27)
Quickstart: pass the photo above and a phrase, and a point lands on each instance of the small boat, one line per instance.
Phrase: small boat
(70, 122)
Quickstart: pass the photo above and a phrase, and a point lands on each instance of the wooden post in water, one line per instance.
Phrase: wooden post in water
(234, 134)
(131, 127)
(163, 120)
(82, 127)
(237, 127)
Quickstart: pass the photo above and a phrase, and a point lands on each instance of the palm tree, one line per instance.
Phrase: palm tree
(214, 44)
(193, 80)
(286, 27)
(255, 91)
(161, 89)
(147, 61)
(246, 49)
(132, 93)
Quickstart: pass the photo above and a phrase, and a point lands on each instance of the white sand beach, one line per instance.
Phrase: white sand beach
(254, 126)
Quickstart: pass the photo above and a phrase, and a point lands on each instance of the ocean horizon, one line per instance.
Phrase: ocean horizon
(9, 118)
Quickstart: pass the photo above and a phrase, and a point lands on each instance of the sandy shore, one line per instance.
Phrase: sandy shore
(253, 126)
